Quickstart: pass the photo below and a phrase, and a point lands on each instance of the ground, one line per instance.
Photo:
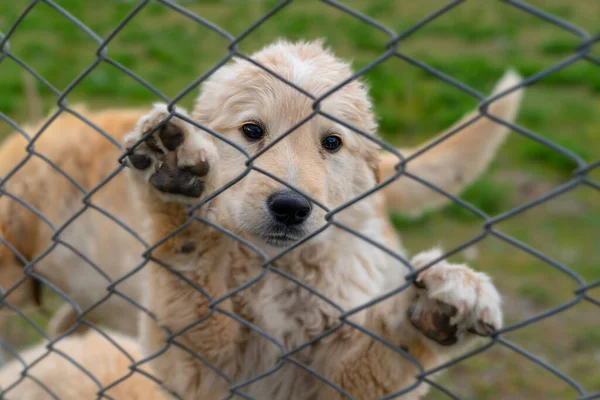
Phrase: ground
(474, 43)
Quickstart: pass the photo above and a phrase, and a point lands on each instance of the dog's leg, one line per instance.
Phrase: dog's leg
(449, 306)
(174, 167)
(455, 162)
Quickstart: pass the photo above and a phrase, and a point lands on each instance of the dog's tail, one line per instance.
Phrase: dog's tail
(455, 162)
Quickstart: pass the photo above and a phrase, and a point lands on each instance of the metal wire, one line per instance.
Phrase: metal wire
(391, 50)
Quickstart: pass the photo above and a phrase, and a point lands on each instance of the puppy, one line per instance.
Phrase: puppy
(90, 252)
(179, 164)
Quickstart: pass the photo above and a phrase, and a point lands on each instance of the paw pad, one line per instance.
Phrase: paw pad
(165, 150)
(434, 320)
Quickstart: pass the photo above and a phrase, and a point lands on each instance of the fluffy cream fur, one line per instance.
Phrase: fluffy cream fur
(61, 376)
(341, 266)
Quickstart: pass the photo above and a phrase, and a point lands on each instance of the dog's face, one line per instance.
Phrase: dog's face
(324, 159)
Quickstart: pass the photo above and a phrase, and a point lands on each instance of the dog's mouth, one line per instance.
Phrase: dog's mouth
(282, 237)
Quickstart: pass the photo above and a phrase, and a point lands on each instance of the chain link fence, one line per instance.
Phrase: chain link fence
(393, 49)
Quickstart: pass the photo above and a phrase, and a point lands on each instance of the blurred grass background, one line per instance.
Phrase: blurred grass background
(474, 43)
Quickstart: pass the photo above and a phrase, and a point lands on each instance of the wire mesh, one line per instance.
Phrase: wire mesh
(392, 49)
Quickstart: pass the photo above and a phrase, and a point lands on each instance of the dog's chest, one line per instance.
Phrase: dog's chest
(287, 317)
(301, 302)
(289, 313)
(290, 317)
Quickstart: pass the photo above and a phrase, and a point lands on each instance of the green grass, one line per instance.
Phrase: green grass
(538, 293)
(474, 43)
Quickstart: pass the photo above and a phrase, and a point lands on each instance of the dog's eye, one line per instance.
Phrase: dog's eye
(331, 143)
(253, 132)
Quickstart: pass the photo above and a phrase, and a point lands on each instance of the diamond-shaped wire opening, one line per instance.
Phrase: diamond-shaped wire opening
(26, 49)
(158, 21)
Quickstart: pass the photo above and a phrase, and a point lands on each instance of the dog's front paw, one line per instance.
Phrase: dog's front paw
(453, 301)
(175, 159)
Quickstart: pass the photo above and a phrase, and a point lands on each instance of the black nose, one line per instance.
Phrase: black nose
(289, 208)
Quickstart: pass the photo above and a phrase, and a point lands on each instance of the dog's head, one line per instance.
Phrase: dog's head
(324, 159)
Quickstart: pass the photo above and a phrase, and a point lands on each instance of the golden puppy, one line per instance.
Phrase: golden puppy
(180, 164)
(91, 251)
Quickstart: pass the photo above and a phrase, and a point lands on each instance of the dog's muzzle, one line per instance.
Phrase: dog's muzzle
(288, 211)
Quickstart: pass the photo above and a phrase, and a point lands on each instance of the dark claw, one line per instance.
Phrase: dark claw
(420, 284)
(482, 329)
(171, 136)
(140, 161)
